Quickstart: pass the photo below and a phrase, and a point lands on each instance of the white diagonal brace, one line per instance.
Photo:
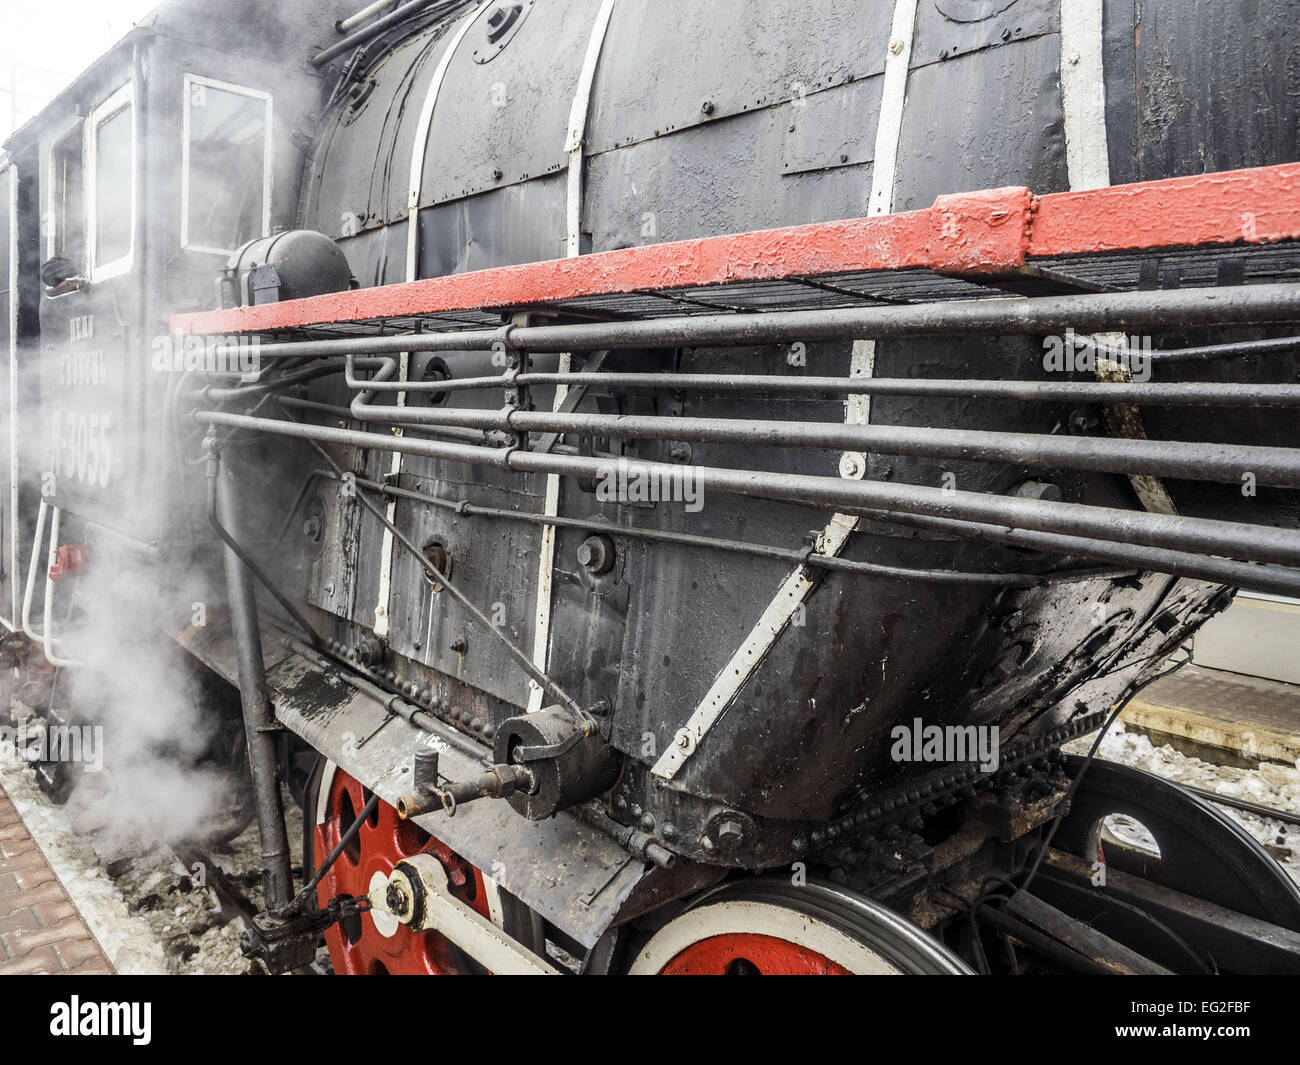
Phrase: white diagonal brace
(857, 411)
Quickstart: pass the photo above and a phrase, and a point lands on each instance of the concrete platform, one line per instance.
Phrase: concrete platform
(40, 929)
(1218, 716)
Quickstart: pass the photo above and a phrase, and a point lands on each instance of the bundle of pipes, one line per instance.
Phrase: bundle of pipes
(1262, 557)
(1272, 466)
(370, 29)
(368, 12)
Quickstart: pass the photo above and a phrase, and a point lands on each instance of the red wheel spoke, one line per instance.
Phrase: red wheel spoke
(362, 947)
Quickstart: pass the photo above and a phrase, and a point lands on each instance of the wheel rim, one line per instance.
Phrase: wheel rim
(375, 943)
(769, 927)
(1203, 852)
(747, 953)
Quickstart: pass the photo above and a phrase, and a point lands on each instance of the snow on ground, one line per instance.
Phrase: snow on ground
(1272, 784)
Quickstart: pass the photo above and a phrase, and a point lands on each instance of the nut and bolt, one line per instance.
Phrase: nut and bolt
(397, 898)
(730, 834)
(596, 555)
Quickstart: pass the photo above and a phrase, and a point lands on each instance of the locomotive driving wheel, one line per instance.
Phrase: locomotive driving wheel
(769, 927)
(375, 943)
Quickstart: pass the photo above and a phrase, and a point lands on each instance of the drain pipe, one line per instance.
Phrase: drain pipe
(259, 720)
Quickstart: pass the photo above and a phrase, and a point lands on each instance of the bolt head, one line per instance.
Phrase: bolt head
(853, 466)
(730, 835)
(396, 898)
(596, 555)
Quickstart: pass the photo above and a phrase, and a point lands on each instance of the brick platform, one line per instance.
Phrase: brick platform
(40, 929)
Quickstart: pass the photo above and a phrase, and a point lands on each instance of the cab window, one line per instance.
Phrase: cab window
(226, 165)
(110, 150)
(65, 206)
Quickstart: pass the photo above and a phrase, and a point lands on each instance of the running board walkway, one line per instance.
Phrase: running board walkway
(1240, 227)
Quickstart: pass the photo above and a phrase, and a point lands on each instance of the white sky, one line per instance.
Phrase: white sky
(45, 44)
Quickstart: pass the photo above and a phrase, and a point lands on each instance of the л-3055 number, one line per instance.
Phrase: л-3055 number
(83, 449)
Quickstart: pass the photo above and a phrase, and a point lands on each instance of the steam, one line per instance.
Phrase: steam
(139, 700)
(160, 783)
(164, 778)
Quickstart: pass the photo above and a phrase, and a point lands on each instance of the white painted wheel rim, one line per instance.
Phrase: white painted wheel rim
(758, 918)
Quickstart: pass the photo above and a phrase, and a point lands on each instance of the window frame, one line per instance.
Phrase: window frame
(73, 127)
(268, 154)
(111, 106)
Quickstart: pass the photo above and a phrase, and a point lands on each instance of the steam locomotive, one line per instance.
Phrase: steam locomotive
(617, 595)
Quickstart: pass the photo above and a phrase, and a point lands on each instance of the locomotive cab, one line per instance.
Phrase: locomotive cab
(176, 148)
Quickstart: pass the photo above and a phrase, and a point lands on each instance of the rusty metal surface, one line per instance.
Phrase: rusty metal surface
(1237, 942)
(1113, 956)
